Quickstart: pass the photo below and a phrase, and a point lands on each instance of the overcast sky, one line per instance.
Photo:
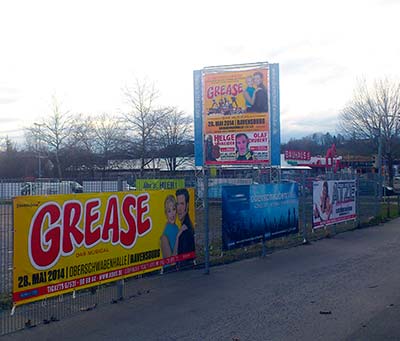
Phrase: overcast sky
(85, 52)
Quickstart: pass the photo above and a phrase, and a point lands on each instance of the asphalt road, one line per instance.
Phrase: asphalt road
(342, 288)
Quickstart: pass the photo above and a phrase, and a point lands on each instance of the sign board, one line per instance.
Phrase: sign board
(254, 212)
(334, 201)
(64, 242)
(237, 115)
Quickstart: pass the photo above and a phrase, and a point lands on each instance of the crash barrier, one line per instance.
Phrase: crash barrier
(51, 309)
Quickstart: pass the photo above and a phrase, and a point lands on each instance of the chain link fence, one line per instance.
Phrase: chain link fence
(369, 211)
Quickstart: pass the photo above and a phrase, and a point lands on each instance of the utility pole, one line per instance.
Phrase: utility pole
(38, 140)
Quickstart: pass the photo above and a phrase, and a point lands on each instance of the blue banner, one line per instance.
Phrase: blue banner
(275, 115)
(251, 213)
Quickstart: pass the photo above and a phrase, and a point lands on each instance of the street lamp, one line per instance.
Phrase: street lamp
(38, 148)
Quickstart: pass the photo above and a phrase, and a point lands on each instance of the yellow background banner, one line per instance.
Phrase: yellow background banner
(224, 93)
(241, 123)
(68, 242)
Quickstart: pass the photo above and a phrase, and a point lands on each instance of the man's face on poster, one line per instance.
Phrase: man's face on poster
(181, 207)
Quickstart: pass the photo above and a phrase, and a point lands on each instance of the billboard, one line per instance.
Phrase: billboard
(157, 184)
(298, 155)
(334, 201)
(63, 242)
(254, 212)
(233, 122)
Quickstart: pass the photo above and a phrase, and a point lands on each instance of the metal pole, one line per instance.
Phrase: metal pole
(206, 227)
(380, 170)
(121, 282)
(38, 149)
(264, 247)
(303, 206)
(358, 213)
(40, 164)
(398, 204)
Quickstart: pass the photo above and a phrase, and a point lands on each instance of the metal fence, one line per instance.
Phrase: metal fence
(369, 211)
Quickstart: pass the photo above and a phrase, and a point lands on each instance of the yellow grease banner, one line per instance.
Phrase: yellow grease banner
(68, 242)
(236, 117)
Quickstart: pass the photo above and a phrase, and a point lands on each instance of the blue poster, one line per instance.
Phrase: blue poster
(251, 213)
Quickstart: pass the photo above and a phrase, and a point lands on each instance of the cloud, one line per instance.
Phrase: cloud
(309, 123)
(388, 2)
(8, 95)
(234, 49)
(5, 120)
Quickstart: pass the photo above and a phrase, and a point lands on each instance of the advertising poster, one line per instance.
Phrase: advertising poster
(157, 184)
(251, 213)
(63, 242)
(236, 128)
(333, 202)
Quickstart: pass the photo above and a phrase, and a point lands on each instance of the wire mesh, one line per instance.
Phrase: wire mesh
(53, 309)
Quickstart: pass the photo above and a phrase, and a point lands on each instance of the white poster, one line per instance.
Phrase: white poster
(334, 201)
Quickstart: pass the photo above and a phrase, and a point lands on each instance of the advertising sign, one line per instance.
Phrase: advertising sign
(157, 184)
(254, 212)
(64, 242)
(333, 202)
(236, 115)
(301, 155)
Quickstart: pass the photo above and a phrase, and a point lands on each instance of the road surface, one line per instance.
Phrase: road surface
(341, 288)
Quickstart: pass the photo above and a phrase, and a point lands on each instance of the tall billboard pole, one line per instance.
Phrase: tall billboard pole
(236, 120)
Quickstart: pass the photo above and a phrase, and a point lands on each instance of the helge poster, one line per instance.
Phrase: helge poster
(236, 117)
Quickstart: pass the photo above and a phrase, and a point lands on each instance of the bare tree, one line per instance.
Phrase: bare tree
(174, 134)
(82, 132)
(108, 136)
(374, 114)
(143, 118)
(53, 131)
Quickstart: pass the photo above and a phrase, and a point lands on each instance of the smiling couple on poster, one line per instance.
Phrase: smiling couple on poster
(174, 240)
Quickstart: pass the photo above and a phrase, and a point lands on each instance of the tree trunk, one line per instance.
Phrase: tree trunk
(58, 166)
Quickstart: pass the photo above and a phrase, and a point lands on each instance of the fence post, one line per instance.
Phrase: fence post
(358, 220)
(206, 227)
(264, 247)
(120, 283)
(303, 213)
(398, 204)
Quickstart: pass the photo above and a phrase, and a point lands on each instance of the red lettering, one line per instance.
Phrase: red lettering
(55, 231)
(217, 91)
(222, 90)
(237, 89)
(144, 226)
(210, 92)
(128, 238)
(44, 249)
(92, 216)
(111, 221)
(72, 212)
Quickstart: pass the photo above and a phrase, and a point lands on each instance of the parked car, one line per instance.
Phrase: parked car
(46, 188)
(75, 187)
(388, 191)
